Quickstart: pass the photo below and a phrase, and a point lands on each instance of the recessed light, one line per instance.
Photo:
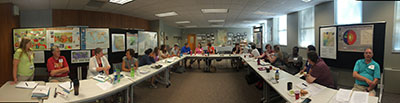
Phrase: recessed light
(216, 21)
(192, 26)
(306, 1)
(205, 11)
(166, 14)
(217, 25)
(182, 22)
(121, 2)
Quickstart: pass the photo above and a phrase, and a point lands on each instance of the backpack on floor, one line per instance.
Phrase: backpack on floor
(252, 78)
(180, 69)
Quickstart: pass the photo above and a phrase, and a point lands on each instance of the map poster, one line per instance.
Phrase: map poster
(132, 41)
(37, 36)
(95, 38)
(118, 42)
(328, 42)
(64, 38)
(147, 40)
(82, 56)
(355, 38)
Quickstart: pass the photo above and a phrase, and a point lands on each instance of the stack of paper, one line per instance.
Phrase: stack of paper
(359, 97)
(41, 92)
(105, 85)
(67, 86)
(101, 78)
(26, 85)
(343, 96)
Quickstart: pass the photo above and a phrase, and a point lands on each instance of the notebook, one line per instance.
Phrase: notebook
(41, 92)
(67, 86)
(26, 85)
(101, 78)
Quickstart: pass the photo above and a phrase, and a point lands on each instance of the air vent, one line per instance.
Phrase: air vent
(96, 3)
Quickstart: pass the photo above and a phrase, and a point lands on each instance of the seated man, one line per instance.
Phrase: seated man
(320, 72)
(57, 66)
(295, 61)
(367, 73)
(175, 51)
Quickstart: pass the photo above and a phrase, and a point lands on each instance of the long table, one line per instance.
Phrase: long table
(89, 91)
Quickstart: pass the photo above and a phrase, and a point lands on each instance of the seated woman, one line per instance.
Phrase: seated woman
(129, 61)
(199, 51)
(254, 52)
(98, 64)
(277, 59)
(267, 53)
(163, 52)
(148, 59)
(237, 49)
(210, 50)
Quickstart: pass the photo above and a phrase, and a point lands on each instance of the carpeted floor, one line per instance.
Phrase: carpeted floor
(194, 86)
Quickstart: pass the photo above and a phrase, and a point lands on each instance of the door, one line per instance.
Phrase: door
(192, 41)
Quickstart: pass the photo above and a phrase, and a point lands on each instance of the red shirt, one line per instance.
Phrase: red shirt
(53, 64)
(211, 50)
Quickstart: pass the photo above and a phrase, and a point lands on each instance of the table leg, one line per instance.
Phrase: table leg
(266, 91)
(131, 90)
(166, 77)
(127, 94)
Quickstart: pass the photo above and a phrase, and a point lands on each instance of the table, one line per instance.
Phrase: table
(89, 91)
(9, 93)
(325, 96)
(212, 57)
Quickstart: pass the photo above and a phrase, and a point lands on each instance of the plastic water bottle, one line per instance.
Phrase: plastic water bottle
(277, 75)
(132, 71)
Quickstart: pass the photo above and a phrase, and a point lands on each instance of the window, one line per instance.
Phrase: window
(306, 27)
(280, 30)
(396, 32)
(348, 11)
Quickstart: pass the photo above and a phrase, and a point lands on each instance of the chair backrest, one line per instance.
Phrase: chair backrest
(335, 76)
(41, 74)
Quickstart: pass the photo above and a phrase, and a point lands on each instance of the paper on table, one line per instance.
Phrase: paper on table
(359, 97)
(104, 85)
(314, 90)
(26, 85)
(343, 95)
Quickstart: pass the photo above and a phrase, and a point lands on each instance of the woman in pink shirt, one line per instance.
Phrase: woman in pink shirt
(199, 51)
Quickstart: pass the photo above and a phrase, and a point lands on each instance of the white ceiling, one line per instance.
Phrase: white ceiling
(239, 10)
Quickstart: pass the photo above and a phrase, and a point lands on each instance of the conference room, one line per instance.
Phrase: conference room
(200, 51)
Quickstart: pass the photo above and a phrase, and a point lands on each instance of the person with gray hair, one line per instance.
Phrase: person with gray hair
(367, 73)
(98, 64)
(57, 66)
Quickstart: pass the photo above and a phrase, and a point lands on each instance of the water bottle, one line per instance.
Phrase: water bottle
(132, 71)
(258, 61)
(277, 75)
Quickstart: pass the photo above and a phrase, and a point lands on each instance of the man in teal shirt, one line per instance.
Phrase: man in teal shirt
(367, 73)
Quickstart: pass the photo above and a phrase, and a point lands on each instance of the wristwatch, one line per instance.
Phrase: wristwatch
(367, 90)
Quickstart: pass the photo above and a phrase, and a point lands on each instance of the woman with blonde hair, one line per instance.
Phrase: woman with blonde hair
(23, 68)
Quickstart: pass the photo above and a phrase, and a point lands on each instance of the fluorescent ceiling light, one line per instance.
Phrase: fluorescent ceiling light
(216, 21)
(306, 1)
(217, 25)
(205, 11)
(192, 26)
(264, 13)
(121, 2)
(166, 14)
(182, 22)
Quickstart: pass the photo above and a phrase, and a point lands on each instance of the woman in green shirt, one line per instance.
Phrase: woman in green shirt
(23, 68)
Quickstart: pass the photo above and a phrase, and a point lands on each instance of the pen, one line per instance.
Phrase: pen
(304, 84)
(26, 84)
(55, 92)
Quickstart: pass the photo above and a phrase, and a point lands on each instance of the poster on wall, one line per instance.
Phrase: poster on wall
(132, 41)
(221, 38)
(328, 42)
(355, 38)
(95, 38)
(82, 56)
(38, 57)
(118, 42)
(64, 38)
(146, 40)
(37, 36)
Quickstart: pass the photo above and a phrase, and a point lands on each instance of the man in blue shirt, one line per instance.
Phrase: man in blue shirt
(185, 49)
(367, 73)
(307, 66)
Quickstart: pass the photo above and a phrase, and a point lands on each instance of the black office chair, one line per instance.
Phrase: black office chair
(41, 74)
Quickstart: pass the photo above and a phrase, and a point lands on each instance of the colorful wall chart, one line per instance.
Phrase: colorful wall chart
(147, 40)
(221, 38)
(65, 38)
(37, 35)
(328, 40)
(95, 38)
(355, 38)
(132, 41)
(80, 56)
(118, 42)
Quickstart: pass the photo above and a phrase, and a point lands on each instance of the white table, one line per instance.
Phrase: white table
(323, 97)
(9, 93)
